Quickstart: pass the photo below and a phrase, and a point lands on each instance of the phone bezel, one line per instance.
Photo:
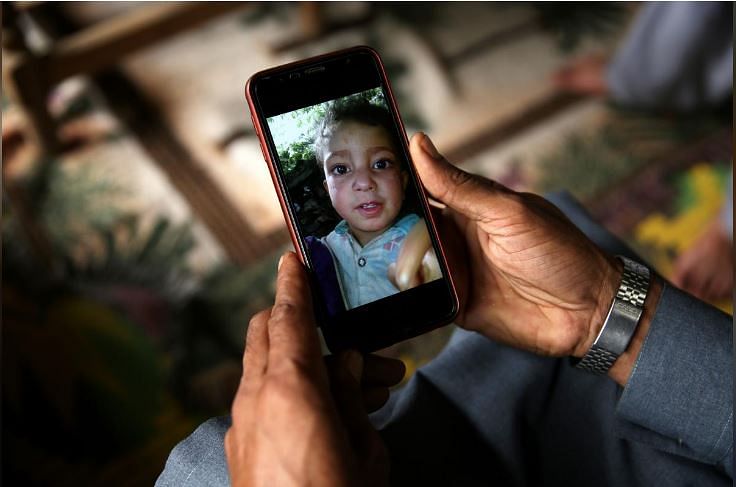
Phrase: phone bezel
(312, 81)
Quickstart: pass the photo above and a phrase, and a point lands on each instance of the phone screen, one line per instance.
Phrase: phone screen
(353, 198)
(353, 201)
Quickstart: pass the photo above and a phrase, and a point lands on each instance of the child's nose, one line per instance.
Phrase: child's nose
(363, 181)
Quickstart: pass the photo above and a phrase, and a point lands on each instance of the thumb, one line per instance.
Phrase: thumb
(466, 193)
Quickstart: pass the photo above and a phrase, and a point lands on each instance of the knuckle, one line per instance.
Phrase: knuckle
(277, 392)
(457, 182)
(257, 318)
(290, 370)
(284, 310)
(460, 179)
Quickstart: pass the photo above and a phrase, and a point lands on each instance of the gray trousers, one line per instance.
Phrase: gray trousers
(676, 56)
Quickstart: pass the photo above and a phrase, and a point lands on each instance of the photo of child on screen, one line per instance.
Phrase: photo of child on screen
(366, 177)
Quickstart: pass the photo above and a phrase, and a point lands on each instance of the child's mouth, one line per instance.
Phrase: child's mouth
(370, 209)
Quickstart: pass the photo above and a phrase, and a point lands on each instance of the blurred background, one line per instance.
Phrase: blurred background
(140, 228)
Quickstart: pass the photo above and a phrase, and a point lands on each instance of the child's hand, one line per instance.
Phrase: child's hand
(417, 262)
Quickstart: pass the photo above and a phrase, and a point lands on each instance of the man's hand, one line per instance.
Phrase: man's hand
(292, 421)
(526, 275)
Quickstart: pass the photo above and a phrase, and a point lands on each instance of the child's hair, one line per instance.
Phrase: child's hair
(354, 110)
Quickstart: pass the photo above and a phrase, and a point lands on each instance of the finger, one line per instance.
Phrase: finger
(292, 331)
(391, 273)
(255, 356)
(678, 277)
(682, 271)
(469, 194)
(382, 371)
(379, 373)
(724, 287)
(411, 254)
(699, 284)
(430, 266)
(374, 398)
(716, 287)
(345, 382)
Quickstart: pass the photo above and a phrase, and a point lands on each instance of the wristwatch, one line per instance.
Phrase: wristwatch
(622, 319)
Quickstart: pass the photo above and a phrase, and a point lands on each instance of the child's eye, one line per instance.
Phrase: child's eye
(382, 164)
(339, 169)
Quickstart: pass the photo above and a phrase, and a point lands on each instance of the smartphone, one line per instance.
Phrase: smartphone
(331, 134)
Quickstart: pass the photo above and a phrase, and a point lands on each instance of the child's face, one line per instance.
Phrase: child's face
(364, 178)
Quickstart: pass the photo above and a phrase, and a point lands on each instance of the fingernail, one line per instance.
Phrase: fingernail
(429, 147)
(354, 363)
(281, 261)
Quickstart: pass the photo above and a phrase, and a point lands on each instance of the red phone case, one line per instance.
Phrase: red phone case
(271, 164)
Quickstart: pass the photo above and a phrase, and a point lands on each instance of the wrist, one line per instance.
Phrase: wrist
(612, 271)
(621, 369)
(620, 337)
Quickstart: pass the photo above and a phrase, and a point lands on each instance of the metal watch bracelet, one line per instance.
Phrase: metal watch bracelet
(621, 321)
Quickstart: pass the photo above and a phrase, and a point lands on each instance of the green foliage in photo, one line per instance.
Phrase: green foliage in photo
(296, 147)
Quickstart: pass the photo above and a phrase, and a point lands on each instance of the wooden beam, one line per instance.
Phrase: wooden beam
(503, 130)
(105, 43)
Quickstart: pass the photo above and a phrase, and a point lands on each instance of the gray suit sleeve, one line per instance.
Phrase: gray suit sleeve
(199, 459)
(679, 397)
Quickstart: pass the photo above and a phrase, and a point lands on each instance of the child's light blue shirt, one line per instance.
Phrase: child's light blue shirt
(363, 271)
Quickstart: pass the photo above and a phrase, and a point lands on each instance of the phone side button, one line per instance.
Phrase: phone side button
(255, 126)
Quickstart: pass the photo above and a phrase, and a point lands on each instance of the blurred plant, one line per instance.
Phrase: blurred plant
(126, 261)
(296, 155)
(70, 203)
(89, 349)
